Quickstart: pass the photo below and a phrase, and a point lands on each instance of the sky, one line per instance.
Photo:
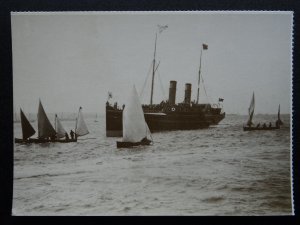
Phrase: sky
(72, 59)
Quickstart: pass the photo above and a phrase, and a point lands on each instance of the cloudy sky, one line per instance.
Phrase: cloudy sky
(73, 59)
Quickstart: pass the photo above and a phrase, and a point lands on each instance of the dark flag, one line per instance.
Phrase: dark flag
(205, 46)
(161, 28)
(221, 99)
(109, 95)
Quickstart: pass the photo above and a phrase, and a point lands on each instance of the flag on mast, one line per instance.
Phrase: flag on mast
(109, 95)
(205, 46)
(161, 28)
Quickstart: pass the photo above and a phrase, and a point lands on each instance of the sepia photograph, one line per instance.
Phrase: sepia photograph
(145, 113)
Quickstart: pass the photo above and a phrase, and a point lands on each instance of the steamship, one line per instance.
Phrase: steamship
(168, 115)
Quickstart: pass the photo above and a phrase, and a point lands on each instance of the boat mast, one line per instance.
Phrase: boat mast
(153, 70)
(199, 76)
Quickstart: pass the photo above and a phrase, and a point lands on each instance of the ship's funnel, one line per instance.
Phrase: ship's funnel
(187, 93)
(172, 92)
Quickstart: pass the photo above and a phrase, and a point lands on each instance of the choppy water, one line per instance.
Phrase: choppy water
(217, 171)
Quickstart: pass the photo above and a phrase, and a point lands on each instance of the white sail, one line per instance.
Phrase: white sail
(81, 128)
(45, 128)
(135, 127)
(60, 131)
(251, 110)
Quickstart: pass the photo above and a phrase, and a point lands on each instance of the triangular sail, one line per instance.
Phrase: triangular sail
(251, 110)
(27, 129)
(278, 119)
(81, 128)
(45, 129)
(135, 127)
(60, 131)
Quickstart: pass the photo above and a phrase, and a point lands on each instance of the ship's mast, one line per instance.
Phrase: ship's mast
(199, 77)
(153, 71)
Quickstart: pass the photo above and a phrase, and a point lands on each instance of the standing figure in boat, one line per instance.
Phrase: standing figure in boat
(72, 134)
(135, 129)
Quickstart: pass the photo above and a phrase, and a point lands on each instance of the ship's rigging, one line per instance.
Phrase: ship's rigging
(154, 69)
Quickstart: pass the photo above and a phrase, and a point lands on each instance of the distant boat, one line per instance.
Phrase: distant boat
(46, 132)
(279, 122)
(250, 124)
(80, 127)
(135, 128)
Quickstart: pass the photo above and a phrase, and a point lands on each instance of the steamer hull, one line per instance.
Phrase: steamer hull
(163, 120)
(168, 115)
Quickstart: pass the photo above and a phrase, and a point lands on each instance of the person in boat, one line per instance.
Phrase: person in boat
(72, 134)
(258, 125)
(270, 124)
(66, 136)
(264, 125)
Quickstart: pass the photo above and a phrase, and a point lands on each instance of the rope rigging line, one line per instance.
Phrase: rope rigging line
(161, 86)
(207, 97)
(145, 82)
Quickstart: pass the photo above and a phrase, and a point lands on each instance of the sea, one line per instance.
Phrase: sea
(221, 170)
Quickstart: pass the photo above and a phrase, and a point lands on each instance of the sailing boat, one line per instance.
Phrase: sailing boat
(135, 128)
(45, 129)
(80, 127)
(279, 122)
(251, 111)
(61, 132)
(46, 132)
(250, 124)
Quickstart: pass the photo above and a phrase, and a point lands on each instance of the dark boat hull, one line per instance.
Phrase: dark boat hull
(260, 128)
(37, 141)
(122, 144)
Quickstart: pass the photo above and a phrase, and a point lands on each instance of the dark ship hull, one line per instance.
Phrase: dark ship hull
(168, 116)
